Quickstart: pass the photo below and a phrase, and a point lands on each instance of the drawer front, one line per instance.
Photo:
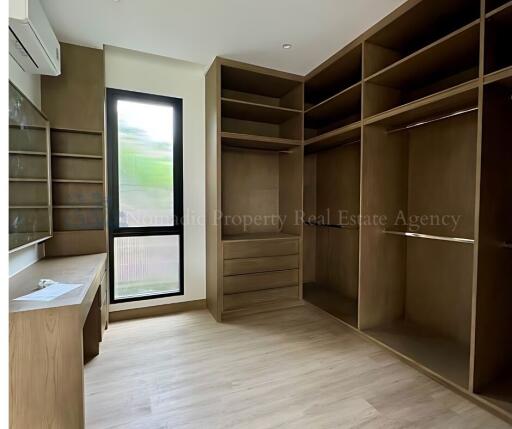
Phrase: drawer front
(259, 265)
(259, 281)
(259, 248)
(248, 299)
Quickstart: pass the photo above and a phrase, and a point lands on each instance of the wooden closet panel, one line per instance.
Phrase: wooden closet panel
(250, 181)
(290, 190)
(75, 99)
(442, 175)
(338, 178)
(439, 287)
(384, 193)
(493, 317)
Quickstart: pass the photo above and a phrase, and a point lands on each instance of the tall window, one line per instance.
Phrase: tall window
(146, 195)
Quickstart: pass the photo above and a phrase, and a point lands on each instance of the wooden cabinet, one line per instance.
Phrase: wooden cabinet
(254, 196)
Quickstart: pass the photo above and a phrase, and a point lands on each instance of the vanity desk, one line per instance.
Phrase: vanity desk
(49, 341)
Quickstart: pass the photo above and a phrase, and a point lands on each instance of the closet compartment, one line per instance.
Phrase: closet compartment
(331, 233)
(331, 80)
(423, 24)
(259, 88)
(498, 33)
(334, 113)
(492, 5)
(493, 318)
(261, 202)
(333, 97)
(446, 64)
(417, 234)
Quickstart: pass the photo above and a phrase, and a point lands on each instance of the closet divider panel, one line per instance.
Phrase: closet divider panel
(493, 319)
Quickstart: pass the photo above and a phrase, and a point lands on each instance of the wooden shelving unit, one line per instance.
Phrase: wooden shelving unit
(77, 143)
(254, 161)
(407, 122)
(30, 211)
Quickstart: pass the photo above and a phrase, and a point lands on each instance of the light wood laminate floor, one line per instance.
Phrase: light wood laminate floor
(297, 368)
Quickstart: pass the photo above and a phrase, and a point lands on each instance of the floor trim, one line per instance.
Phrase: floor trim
(157, 310)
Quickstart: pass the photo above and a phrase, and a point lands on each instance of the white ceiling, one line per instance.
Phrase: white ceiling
(197, 30)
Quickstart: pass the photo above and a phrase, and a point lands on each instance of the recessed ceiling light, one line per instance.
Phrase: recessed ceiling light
(287, 46)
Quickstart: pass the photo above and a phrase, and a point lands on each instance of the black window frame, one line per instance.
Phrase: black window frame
(115, 231)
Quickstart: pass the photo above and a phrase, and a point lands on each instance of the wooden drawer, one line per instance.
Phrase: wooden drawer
(259, 281)
(248, 299)
(259, 265)
(259, 248)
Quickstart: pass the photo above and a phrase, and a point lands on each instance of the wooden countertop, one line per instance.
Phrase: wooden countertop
(69, 269)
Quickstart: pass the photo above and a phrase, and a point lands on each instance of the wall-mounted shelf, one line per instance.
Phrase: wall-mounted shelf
(495, 6)
(76, 131)
(77, 181)
(76, 155)
(69, 207)
(27, 152)
(498, 33)
(345, 135)
(29, 207)
(11, 179)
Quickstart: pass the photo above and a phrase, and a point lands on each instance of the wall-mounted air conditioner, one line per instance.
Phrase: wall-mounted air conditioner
(32, 42)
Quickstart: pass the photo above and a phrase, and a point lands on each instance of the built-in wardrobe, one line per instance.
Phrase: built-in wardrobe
(406, 233)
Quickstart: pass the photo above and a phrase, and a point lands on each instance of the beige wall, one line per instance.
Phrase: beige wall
(136, 71)
(30, 85)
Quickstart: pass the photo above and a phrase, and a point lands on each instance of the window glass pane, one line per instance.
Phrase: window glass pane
(148, 265)
(145, 148)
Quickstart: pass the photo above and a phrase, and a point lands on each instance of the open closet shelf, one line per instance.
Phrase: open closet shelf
(258, 236)
(258, 142)
(256, 112)
(27, 152)
(68, 207)
(77, 181)
(431, 237)
(76, 131)
(27, 127)
(332, 301)
(12, 179)
(347, 134)
(496, 6)
(458, 49)
(28, 207)
(425, 24)
(498, 33)
(267, 89)
(76, 155)
(327, 83)
(461, 98)
(345, 101)
(447, 358)
(498, 75)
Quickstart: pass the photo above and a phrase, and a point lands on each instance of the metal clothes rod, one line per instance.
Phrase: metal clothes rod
(328, 225)
(436, 119)
(431, 237)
